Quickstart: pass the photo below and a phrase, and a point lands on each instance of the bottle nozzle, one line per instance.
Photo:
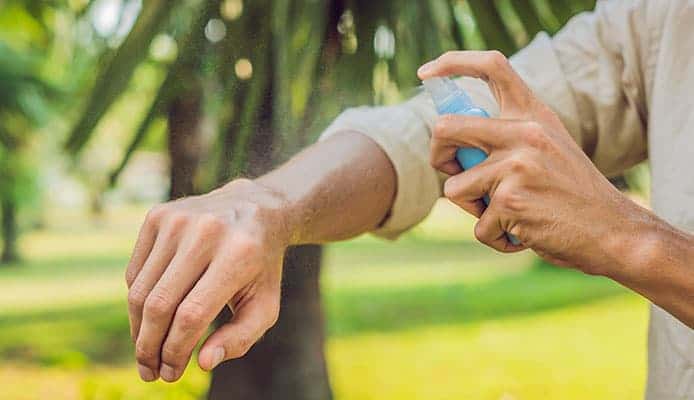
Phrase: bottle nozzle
(442, 89)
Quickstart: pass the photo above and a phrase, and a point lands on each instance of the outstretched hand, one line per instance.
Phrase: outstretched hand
(543, 188)
(194, 257)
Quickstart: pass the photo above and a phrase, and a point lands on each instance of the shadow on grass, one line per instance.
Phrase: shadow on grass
(99, 333)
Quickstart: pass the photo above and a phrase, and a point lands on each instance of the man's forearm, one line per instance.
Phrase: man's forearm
(336, 189)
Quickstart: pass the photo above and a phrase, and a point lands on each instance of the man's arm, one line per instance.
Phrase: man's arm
(196, 255)
(230, 242)
(546, 192)
(336, 189)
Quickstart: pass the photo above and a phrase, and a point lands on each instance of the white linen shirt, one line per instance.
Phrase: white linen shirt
(621, 78)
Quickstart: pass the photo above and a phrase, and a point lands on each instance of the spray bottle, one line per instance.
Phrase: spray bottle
(449, 98)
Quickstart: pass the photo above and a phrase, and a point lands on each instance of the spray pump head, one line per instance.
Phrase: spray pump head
(443, 90)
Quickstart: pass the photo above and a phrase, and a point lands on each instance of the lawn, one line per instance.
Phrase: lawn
(432, 316)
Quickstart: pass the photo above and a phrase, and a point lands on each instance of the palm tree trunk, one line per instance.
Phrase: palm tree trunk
(185, 115)
(289, 362)
(9, 232)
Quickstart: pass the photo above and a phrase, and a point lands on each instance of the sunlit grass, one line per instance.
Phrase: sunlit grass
(580, 352)
(432, 316)
(576, 353)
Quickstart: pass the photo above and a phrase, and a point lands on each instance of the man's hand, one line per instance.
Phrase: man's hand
(543, 188)
(195, 256)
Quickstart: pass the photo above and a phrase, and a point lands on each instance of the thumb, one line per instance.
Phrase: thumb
(234, 339)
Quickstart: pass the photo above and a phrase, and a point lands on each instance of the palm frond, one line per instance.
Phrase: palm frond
(113, 78)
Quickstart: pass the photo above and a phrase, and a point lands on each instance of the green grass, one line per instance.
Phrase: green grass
(434, 315)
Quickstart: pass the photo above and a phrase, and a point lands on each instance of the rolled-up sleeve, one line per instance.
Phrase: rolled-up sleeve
(402, 132)
(590, 73)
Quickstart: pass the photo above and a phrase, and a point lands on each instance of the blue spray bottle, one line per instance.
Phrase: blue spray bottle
(449, 98)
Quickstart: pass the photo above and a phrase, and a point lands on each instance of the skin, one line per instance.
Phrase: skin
(545, 191)
(197, 255)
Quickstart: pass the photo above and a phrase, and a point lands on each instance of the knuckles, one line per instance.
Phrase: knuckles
(445, 126)
(451, 189)
(190, 315)
(137, 297)
(158, 305)
(171, 355)
(171, 222)
(518, 165)
(156, 214)
(496, 59)
(245, 246)
(510, 201)
(482, 234)
(130, 276)
(177, 220)
(524, 166)
(242, 345)
(146, 355)
(209, 227)
(535, 135)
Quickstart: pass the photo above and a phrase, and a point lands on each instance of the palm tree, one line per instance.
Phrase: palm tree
(22, 108)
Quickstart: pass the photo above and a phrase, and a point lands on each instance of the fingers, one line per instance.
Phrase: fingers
(489, 230)
(468, 188)
(507, 86)
(454, 131)
(162, 252)
(160, 256)
(191, 320)
(223, 279)
(442, 155)
(233, 340)
(143, 245)
(182, 273)
(495, 223)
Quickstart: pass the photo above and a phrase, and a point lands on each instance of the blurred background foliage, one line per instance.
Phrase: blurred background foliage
(106, 104)
(224, 87)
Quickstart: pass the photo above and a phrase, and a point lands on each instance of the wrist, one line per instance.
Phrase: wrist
(267, 205)
(636, 247)
(658, 265)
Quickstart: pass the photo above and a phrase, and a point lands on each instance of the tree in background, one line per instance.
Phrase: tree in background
(41, 62)
(266, 76)
(22, 109)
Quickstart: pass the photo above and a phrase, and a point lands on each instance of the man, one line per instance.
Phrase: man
(619, 83)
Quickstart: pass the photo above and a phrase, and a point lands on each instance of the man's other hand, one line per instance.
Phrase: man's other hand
(192, 258)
